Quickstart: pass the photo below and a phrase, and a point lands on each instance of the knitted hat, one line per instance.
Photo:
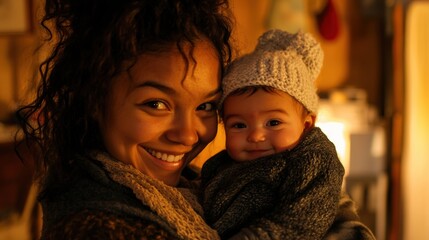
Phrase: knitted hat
(285, 61)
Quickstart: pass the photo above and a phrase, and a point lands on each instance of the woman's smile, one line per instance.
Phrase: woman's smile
(172, 158)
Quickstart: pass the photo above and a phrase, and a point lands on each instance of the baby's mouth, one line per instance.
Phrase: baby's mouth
(165, 156)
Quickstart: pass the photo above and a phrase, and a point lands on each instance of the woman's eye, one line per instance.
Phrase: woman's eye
(156, 105)
(208, 106)
(273, 123)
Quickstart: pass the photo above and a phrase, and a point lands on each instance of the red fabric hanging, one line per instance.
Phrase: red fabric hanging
(328, 22)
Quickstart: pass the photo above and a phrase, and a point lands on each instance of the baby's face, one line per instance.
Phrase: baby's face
(263, 123)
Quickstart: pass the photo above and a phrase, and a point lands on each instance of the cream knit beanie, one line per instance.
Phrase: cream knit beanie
(285, 61)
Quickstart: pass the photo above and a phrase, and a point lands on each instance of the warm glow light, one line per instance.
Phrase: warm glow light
(337, 133)
(415, 164)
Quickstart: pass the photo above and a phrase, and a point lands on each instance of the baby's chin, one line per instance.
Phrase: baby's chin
(253, 155)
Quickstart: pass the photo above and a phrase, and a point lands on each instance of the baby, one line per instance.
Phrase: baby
(280, 176)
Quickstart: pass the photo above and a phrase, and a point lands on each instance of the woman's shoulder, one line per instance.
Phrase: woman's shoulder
(91, 190)
(97, 224)
(96, 207)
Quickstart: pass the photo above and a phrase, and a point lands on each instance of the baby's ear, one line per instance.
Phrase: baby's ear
(309, 121)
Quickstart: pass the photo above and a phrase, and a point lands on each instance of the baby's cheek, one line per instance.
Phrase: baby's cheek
(281, 144)
(235, 145)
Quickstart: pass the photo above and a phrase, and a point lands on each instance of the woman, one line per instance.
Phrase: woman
(127, 99)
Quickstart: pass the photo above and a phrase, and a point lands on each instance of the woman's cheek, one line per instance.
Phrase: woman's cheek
(208, 130)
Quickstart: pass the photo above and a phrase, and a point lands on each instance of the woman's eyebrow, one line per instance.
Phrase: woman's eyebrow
(156, 85)
(170, 90)
(214, 92)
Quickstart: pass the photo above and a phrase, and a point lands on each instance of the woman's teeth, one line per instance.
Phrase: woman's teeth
(165, 157)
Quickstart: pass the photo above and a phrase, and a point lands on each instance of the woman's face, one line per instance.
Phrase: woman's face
(165, 115)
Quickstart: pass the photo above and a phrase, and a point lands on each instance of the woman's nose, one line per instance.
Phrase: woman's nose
(256, 135)
(184, 131)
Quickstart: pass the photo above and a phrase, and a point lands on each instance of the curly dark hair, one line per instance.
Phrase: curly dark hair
(92, 40)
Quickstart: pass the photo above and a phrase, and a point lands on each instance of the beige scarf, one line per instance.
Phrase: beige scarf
(172, 204)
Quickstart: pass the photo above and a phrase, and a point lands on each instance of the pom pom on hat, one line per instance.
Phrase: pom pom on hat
(285, 61)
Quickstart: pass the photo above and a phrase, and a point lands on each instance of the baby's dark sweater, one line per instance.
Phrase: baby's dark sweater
(290, 195)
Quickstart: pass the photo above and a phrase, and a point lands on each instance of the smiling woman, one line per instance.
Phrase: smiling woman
(127, 99)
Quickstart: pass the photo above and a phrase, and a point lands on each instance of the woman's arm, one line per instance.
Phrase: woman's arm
(347, 224)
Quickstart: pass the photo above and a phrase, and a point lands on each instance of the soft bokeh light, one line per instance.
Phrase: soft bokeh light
(336, 132)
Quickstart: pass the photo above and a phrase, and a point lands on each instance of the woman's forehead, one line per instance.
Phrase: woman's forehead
(197, 69)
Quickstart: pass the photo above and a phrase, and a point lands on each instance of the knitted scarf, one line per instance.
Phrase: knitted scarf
(172, 204)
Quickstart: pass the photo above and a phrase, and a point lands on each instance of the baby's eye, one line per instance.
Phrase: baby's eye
(159, 105)
(273, 123)
(238, 125)
(208, 106)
